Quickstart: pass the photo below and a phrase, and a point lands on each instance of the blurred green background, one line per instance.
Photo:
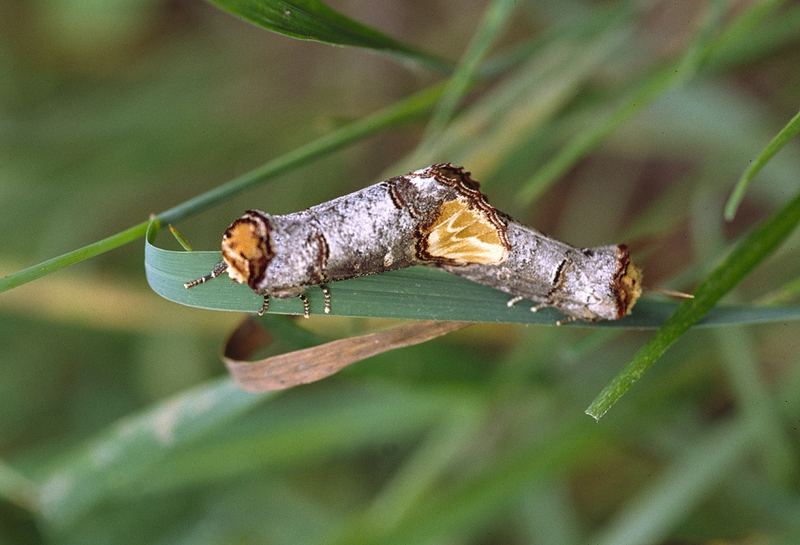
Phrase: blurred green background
(117, 421)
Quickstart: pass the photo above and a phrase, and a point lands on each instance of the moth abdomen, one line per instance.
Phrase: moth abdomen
(599, 284)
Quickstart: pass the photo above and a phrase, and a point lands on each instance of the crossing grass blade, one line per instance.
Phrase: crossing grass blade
(395, 114)
(641, 95)
(783, 294)
(745, 256)
(316, 21)
(789, 131)
(494, 21)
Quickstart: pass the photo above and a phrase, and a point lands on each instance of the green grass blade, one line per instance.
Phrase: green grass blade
(89, 251)
(641, 96)
(422, 470)
(773, 35)
(789, 131)
(527, 100)
(400, 112)
(753, 396)
(135, 445)
(415, 293)
(494, 21)
(782, 295)
(180, 238)
(757, 404)
(314, 20)
(17, 489)
(455, 512)
(416, 479)
(695, 475)
(644, 93)
(745, 256)
(671, 497)
(303, 428)
(391, 116)
(744, 30)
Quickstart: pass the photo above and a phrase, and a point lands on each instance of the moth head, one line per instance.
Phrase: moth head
(246, 248)
(628, 282)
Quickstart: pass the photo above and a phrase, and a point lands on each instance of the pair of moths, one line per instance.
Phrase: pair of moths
(434, 216)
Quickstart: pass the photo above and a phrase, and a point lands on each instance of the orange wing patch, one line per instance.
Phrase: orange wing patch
(461, 235)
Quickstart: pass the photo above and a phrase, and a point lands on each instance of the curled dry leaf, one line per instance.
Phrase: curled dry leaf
(312, 364)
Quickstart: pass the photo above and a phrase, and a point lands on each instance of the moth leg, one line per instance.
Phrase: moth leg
(514, 300)
(306, 305)
(326, 296)
(264, 305)
(567, 320)
(218, 269)
(540, 306)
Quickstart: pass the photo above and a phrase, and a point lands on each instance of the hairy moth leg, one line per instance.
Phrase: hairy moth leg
(326, 297)
(218, 269)
(306, 305)
(264, 305)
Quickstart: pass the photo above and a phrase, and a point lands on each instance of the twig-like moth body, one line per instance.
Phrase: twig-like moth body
(434, 216)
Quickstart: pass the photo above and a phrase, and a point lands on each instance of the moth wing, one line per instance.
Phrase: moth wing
(462, 234)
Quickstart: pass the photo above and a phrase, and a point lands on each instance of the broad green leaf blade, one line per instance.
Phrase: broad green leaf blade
(314, 20)
(789, 131)
(745, 256)
(417, 293)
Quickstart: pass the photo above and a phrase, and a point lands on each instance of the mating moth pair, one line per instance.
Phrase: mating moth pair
(435, 216)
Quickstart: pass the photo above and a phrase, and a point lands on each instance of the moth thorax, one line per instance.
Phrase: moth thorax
(628, 283)
(246, 248)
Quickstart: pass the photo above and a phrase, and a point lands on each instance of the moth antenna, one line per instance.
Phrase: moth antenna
(675, 294)
(218, 269)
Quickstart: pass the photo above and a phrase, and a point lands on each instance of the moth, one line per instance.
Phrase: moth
(435, 216)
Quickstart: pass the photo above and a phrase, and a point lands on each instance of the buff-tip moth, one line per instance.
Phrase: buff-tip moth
(434, 216)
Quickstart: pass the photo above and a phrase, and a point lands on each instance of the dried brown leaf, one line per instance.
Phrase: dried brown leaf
(312, 364)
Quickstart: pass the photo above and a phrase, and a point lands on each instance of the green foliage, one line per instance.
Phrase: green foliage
(790, 130)
(618, 123)
(314, 20)
(494, 21)
(742, 259)
(397, 113)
